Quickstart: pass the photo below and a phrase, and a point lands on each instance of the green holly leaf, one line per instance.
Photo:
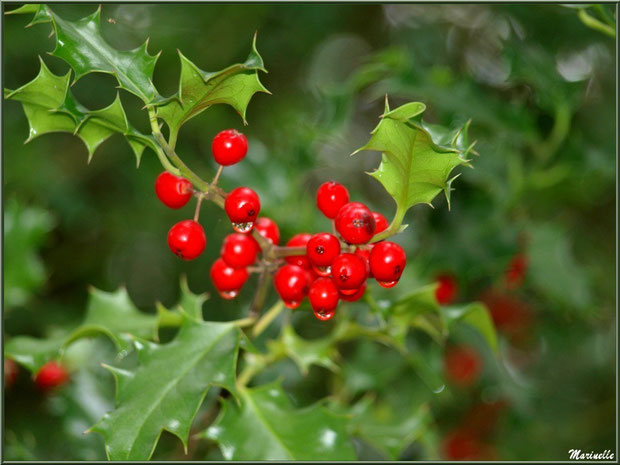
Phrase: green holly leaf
(266, 426)
(81, 44)
(166, 390)
(475, 315)
(416, 161)
(41, 13)
(110, 314)
(25, 230)
(198, 89)
(50, 107)
(388, 429)
(421, 310)
(32, 352)
(305, 352)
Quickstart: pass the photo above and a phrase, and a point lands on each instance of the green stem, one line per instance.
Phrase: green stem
(261, 294)
(394, 227)
(267, 318)
(281, 252)
(243, 322)
(594, 23)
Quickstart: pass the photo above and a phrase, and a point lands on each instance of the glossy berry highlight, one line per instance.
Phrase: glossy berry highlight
(173, 191)
(355, 223)
(242, 206)
(348, 272)
(229, 147)
(387, 262)
(187, 239)
(50, 376)
(268, 228)
(323, 296)
(227, 280)
(239, 250)
(291, 282)
(330, 196)
(321, 249)
(299, 240)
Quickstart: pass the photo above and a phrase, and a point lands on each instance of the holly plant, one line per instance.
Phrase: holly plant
(332, 269)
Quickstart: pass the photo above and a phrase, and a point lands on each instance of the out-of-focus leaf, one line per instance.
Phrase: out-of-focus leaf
(475, 315)
(387, 429)
(414, 167)
(50, 107)
(305, 352)
(166, 390)
(25, 230)
(198, 89)
(266, 426)
(108, 313)
(553, 269)
(41, 13)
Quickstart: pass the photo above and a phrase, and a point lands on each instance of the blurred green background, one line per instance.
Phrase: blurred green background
(539, 86)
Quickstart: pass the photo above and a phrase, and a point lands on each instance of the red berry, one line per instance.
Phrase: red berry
(380, 221)
(226, 279)
(229, 147)
(365, 254)
(291, 283)
(242, 206)
(357, 295)
(510, 314)
(462, 445)
(355, 223)
(50, 376)
(462, 365)
(173, 191)
(446, 289)
(187, 239)
(239, 250)
(330, 197)
(300, 240)
(323, 296)
(268, 229)
(11, 371)
(515, 273)
(322, 248)
(387, 262)
(348, 272)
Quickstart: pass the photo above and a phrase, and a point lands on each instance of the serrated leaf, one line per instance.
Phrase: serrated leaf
(387, 429)
(111, 314)
(25, 230)
(81, 44)
(166, 390)
(414, 166)
(304, 353)
(421, 310)
(266, 426)
(198, 89)
(32, 352)
(50, 107)
(475, 315)
(40, 12)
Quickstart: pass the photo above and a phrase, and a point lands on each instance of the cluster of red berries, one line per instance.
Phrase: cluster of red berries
(336, 266)
(323, 267)
(50, 376)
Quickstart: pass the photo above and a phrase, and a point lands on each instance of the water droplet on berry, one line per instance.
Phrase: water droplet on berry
(229, 294)
(348, 291)
(292, 304)
(243, 227)
(387, 284)
(325, 315)
(323, 271)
